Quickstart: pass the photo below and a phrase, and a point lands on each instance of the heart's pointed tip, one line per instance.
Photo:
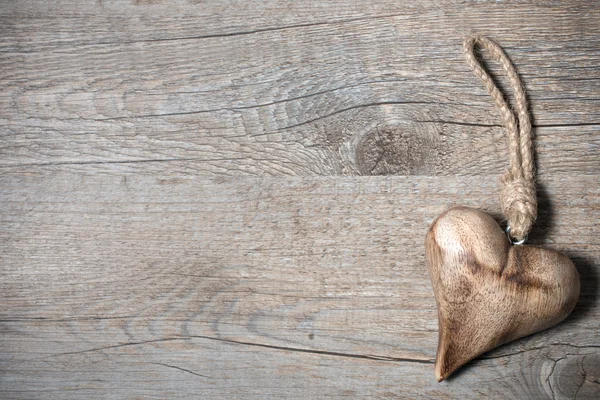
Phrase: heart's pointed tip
(439, 378)
(440, 375)
(448, 361)
(441, 363)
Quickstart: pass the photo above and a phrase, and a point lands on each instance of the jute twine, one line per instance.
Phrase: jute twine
(517, 195)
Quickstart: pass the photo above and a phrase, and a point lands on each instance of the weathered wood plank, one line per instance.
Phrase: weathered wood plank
(262, 286)
(304, 97)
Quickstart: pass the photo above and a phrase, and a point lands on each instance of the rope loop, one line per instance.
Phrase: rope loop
(517, 195)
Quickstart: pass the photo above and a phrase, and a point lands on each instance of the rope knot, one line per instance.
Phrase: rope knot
(519, 204)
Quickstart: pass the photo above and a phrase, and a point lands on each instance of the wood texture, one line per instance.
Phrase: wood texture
(229, 200)
(489, 292)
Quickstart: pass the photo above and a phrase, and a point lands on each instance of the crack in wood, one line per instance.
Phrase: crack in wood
(262, 345)
(366, 105)
(548, 380)
(320, 352)
(113, 347)
(565, 125)
(184, 370)
(250, 107)
(538, 348)
(218, 35)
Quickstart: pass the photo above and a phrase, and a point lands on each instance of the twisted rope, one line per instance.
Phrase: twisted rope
(517, 196)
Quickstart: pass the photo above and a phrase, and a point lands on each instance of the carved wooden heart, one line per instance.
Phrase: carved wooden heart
(489, 292)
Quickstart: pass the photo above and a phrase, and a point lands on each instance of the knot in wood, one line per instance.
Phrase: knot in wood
(398, 149)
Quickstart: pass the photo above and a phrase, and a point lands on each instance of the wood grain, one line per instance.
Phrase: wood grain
(229, 200)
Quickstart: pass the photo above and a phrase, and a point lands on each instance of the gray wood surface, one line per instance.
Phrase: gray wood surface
(202, 200)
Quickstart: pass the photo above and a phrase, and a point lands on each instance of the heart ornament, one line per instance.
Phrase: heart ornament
(489, 288)
(489, 291)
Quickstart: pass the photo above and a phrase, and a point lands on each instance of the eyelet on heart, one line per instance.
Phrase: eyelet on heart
(489, 292)
(510, 239)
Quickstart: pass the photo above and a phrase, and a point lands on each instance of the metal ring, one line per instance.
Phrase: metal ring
(519, 242)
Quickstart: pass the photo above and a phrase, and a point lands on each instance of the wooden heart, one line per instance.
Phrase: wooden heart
(488, 291)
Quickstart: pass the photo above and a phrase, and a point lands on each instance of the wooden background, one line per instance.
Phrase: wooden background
(204, 199)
